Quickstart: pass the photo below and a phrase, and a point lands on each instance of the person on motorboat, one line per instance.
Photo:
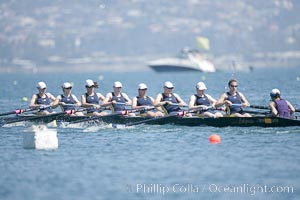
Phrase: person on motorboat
(203, 103)
(117, 100)
(91, 99)
(42, 99)
(279, 106)
(67, 101)
(235, 101)
(142, 101)
(169, 101)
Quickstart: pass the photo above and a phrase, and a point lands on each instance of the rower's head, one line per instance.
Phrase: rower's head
(117, 86)
(201, 87)
(89, 84)
(66, 86)
(275, 93)
(168, 87)
(41, 86)
(233, 84)
(142, 88)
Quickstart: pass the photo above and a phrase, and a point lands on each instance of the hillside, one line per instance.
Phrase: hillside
(53, 33)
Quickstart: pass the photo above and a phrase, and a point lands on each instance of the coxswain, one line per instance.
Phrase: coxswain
(279, 106)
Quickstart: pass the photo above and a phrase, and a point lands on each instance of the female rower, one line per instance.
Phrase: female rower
(117, 99)
(144, 101)
(280, 107)
(42, 99)
(170, 102)
(67, 101)
(91, 99)
(201, 102)
(235, 101)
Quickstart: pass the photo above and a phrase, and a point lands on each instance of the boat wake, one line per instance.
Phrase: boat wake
(104, 126)
(14, 124)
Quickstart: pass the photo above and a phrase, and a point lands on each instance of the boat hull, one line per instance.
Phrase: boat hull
(172, 68)
(184, 121)
(190, 63)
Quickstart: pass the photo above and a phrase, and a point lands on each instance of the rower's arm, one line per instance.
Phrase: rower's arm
(51, 96)
(107, 100)
(33, 101)
(56, 102)
(221, 101)
(291, 107)
(211, 100)
(128, 101)
(102, 99)
(192, 102)
(180, 101)
(273, 109)
(134, 103)
(244, 100)
(77, 102)
(158, 101)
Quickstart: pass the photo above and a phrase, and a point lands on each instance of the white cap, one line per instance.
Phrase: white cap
(168, 84)
(67, 85)
(274, 92)
(201, 86)
(118, 84)
(41, 85)
(142, 86)
(89, 83)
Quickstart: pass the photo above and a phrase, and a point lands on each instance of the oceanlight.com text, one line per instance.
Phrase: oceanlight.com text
(163, 189)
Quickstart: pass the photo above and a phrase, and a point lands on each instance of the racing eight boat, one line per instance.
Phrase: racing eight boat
(118, 118)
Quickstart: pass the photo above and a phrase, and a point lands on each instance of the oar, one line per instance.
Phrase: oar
(50, 116)
(251, 106)
(92, 118)
(150, 120)
(201, 108)
(123, 112)
(267, 108)
(20, 111)
(32, 118)
(177, 104)
(236, 105)
(120, 103)
(17, 111)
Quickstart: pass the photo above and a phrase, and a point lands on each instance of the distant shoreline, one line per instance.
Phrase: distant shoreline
(138, 67)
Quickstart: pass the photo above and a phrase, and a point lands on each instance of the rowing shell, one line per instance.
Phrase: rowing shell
(177, 120)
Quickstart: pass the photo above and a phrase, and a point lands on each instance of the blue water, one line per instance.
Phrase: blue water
(114, 163)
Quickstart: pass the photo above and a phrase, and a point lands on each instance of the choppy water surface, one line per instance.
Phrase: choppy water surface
(154, 162)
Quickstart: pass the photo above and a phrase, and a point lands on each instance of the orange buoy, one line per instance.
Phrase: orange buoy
(214, 139)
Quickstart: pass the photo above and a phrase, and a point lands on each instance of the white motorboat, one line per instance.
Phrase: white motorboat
(188, 60)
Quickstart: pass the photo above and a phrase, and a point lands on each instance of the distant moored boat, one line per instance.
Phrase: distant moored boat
(188, 60)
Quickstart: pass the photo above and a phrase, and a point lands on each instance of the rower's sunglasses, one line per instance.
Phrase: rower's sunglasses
(170, 88)
(68, 88)
(233, 85)
(89, 86)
